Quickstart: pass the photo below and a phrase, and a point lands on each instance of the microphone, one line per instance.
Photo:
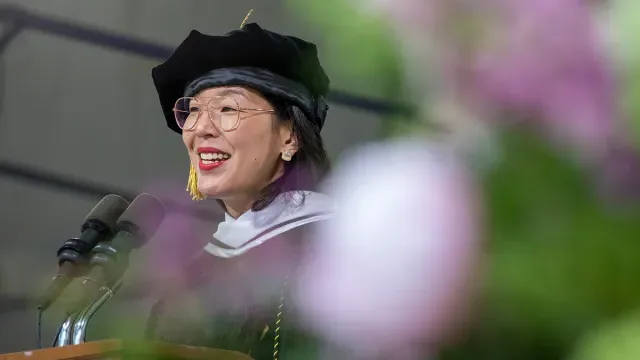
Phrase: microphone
(110, 260)
(73, 255)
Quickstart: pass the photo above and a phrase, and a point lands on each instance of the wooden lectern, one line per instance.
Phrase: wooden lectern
(115, 349)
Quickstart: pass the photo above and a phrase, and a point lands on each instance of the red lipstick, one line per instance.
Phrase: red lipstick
(212, 150)
(209, 166)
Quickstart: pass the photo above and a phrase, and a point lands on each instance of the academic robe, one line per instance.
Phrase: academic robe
(238, 293)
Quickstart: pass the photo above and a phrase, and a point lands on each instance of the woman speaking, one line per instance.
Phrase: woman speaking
(249, 106)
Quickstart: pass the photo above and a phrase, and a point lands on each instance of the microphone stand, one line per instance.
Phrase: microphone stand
(63, 337)
(74, 329)
(84, 316)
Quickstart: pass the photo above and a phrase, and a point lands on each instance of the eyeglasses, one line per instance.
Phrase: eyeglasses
(223, 111)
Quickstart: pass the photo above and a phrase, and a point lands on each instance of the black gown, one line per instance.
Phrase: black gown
(243, 303)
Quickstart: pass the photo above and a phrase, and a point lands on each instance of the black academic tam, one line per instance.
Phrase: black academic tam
(288, 57)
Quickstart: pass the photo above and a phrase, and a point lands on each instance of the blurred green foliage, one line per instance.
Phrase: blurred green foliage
(359, 50)
(358, 45)
(615, 340)
(624, 27)
(561, 260)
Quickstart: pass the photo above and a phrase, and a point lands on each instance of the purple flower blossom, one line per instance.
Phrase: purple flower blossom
(394, 268)
(541, 60)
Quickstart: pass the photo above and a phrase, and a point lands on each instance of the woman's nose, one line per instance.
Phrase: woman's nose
(205, 126)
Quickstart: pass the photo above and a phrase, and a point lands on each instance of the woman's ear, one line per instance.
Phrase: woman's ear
(289, 142)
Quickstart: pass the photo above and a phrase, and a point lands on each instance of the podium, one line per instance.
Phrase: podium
(116, 350)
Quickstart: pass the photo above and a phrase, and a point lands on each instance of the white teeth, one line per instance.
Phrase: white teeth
(213, 156)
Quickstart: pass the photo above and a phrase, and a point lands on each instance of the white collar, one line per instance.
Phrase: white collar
(288, 211)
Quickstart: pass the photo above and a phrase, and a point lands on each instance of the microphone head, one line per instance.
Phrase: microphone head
(142, 218)
(107, 212)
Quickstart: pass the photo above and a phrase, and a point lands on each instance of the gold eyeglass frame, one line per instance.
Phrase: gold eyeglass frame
(211, 115)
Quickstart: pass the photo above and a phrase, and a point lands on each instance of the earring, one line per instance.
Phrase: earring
(286, 156)
(192, 185)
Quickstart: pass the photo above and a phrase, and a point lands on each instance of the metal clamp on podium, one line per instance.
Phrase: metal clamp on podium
(73, 330)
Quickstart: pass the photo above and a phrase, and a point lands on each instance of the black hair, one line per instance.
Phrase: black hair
(309, 164)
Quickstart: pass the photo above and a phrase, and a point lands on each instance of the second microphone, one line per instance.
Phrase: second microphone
(109, 260)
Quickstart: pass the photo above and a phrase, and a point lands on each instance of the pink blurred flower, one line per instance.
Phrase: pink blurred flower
(184, 232)
(619, 177)
(395, 267)
(542, 60)
(551, 63)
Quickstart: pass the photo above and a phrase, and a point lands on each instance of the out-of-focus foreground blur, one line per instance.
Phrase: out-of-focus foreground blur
(487, 171)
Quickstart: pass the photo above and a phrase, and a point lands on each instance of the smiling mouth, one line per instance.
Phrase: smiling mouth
(211, 160)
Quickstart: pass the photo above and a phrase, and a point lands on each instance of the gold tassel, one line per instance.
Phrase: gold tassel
(244, 22)
(192, 185)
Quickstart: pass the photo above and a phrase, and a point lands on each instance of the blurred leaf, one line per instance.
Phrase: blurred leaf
(617, 340)
(361, 49)
(623, 23)
(358, 44)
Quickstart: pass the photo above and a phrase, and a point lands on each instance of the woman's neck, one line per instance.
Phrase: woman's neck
(239, 205)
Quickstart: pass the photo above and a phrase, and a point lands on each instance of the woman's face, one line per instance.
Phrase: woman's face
(237, 164)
